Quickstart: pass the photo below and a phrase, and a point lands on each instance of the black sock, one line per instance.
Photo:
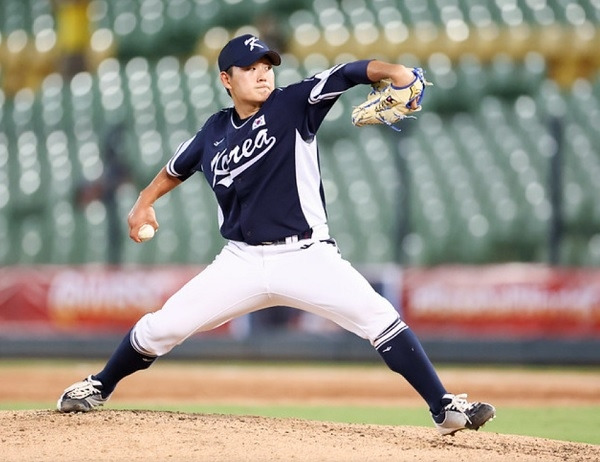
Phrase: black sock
(124, 361)
(405, 355)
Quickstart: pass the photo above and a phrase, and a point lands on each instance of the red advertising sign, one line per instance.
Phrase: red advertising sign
(496, 301)
(503, 301)
(84, 297)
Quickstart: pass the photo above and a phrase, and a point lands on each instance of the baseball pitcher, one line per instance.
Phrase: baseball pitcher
(261, 159)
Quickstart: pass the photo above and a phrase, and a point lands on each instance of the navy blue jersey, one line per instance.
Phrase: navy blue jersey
(265, 170)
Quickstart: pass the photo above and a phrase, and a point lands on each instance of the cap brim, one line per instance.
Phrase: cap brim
(272, 55)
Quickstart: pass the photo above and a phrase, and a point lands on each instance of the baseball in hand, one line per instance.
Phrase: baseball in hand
(146, 232)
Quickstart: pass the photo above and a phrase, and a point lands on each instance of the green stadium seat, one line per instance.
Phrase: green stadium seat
(354, 190)
(426, 210)
(61, 236)
(201, 98)
(5, 199)
(381, 164)
(14, 15)
(200, 238)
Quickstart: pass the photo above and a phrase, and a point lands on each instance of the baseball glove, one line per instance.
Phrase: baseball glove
(388, 104)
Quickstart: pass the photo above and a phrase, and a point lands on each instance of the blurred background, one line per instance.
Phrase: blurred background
(479, 220)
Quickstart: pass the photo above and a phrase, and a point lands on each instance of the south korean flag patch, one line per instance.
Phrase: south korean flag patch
(258, 122)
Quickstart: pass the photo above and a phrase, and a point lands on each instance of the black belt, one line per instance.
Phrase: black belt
(290, 239)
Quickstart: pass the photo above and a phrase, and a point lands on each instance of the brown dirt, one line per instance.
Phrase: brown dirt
(117, 435)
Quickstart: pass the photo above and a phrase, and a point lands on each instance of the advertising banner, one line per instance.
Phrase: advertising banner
(58, 298)
(495, 301)
(499, 301)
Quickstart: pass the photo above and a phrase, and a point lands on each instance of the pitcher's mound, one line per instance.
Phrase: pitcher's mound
(112, 435)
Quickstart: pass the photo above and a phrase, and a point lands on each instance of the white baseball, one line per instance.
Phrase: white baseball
(146, 232)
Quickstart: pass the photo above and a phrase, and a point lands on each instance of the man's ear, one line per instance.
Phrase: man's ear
(225, 79)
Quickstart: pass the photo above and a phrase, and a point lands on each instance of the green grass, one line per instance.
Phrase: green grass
(566, 423)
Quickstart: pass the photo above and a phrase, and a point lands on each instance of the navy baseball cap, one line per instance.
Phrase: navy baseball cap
(245, 50)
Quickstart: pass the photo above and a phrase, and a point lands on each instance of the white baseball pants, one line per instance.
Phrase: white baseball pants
(309, 275)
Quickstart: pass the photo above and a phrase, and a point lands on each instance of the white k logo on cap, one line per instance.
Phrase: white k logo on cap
(245, 50)
(251, 42)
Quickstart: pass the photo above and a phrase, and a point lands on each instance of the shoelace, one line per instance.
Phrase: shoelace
(459, 403)
(84, 391)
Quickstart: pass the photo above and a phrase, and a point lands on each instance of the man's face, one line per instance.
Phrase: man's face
(252, 84)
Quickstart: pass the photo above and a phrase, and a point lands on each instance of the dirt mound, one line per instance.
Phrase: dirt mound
(115, 435)
(111, 435)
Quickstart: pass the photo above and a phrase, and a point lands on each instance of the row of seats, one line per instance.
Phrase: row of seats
(166, 101)
(160, 27)
(162, 16)
(485, 181)
(28, 15)
(465, 181)
(38, 37)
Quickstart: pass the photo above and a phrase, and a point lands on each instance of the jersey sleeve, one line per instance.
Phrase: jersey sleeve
(320, 92)
(330, 84)
(187, 158)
